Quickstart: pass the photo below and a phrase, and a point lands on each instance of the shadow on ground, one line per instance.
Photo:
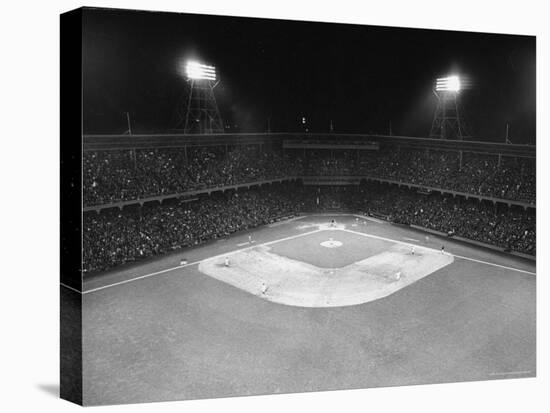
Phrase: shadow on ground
(50, 389)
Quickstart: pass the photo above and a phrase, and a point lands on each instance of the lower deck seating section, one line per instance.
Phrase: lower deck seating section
(510, 228)
(113, 237)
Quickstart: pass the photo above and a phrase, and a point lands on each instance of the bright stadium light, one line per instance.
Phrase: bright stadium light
(198, 71)
(448, 122)
(203, 115)
(448, 84)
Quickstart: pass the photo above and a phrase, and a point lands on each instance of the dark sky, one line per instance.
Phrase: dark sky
(361, 77)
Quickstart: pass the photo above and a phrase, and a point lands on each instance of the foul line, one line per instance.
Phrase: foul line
(378, 221)
(229, 253)
(140, 277)
(431, 249)
(495, 265)
(389, 240)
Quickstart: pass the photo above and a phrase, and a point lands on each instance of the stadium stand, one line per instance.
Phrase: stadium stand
(487, 185)
(115, 237)
(478, 174)
(121, 175)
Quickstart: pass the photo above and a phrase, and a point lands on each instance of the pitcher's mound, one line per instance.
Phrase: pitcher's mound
(331, 243)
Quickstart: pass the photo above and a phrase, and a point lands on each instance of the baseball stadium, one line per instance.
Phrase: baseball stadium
(227, 265)
(318, 216)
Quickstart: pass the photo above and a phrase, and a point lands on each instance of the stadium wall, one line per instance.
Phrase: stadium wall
(299, 140)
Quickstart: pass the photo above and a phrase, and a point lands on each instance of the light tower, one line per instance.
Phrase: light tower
(447, 122)
(203, 115)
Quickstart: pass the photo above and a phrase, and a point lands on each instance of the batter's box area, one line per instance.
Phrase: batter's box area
(268, 273)
(330, 248)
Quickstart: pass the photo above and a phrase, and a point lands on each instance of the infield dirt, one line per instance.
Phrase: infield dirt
(284, 280)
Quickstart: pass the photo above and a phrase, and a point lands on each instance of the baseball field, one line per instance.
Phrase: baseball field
(319, 302)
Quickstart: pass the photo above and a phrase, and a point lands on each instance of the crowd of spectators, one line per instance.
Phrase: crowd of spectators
(511, 228)
(114, 236)
(121, 175)
(479, 174)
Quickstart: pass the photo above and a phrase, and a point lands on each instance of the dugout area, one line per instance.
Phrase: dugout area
(161, 331)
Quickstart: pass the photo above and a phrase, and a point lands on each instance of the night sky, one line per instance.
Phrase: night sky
(361, 77)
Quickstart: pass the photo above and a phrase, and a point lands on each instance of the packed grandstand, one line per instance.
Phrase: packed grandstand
(149, 199)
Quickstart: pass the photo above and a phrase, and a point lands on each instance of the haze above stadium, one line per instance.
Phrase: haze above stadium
(360, 77)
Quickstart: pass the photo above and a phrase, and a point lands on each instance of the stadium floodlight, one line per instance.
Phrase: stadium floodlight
(198, 71)
(203, 115)
(448, 84)
(448, 122)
